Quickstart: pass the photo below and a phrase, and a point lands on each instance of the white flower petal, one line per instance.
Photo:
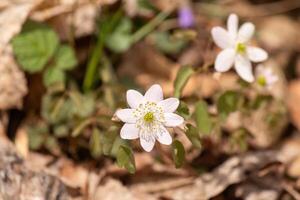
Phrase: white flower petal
(246, 32)
(164, 136)
(225, 60)
(169, 105)
(147, 144)
(154, 93)
(126, 115)
(256, 54)
(222, 38)
(129, 132)
(134, 98)
(173, 120)
(244, 68)
(232, 25)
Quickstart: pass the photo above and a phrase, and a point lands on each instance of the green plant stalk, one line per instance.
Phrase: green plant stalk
(98, 50)
(92, 65)
(149, 27)
(90, 74)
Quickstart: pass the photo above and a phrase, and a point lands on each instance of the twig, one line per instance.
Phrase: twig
(290, 189)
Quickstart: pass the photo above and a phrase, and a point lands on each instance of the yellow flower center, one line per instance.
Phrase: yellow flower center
(149, 117)
(241, 48)
(261, 80)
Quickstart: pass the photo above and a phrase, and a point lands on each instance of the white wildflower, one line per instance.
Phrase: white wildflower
(236, 50)
(265, 77)
(148, 117)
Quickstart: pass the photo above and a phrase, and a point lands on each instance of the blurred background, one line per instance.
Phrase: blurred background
(65, 66)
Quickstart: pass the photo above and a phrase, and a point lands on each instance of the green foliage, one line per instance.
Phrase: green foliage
(167, 44)
(35, 46)
(64, 58)
(203, 119)
(238, 139)
(120, 39)
(182, 77)
(228, 102)
(57, 109)
(178, 153)
(37, 135)
(125, 159)
(106, 25)
(193, 135)
(95, 143)
(183, 110)
(52, 76)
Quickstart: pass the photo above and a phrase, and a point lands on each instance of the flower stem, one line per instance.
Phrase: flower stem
(97, 53)
(142, 32)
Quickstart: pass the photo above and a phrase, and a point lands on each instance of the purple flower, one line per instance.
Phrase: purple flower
(186, 17)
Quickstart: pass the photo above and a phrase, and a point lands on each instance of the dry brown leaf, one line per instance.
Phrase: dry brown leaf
(274, 38)
(11, 19)
(21, 142)
(252, 191)
(266, 134)
(113, 189)
(37, 161)
(293, 168)
(290, 149)
(209, 185)
(13, 85)
(74, 176)
(293, 102)
(70, 19)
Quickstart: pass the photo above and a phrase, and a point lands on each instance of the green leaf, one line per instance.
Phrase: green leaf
(37, 135)
(61, 131)
(53, 76)
(193, 136)
(52, 145)
(64, 58)
(227, 103)
(183, 110)
(120, 40)
(95, 143)
(203, 119)
(78, 129)
(178, 153)
(83, 105)
(35, 46)
(183, 76)
(125, 159)
(108, 140)
(167, 44)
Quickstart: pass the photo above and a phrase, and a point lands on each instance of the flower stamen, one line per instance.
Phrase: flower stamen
(149, 117)
(240, 48)
(261, 80)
